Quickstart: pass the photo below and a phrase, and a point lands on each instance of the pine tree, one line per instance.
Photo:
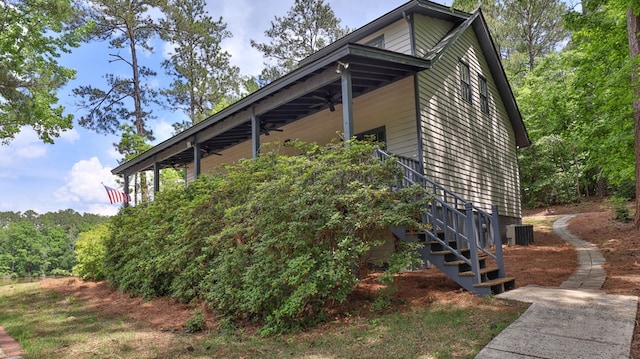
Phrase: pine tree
(203, 78)
(308, 26)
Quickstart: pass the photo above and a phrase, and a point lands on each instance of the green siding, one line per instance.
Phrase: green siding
(396, 37)
(472, 153)
(428, 32)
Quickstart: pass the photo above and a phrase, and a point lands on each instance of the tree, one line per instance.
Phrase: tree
(90, 253)
(554, 168)
(633, 31)
(126, 25)
(33, 34)
(202, 75)
(33, 244)
(604, 95)
(308, 26)
(537, 27)
(524, 30)
(23, 246)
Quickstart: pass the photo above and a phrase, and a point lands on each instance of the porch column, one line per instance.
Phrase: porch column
(347, 102)
(126, 188)
(156, 178)
(255, 134)
(196, 157)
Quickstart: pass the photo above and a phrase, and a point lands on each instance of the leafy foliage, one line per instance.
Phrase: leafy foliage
(32, 244)
(195, 323)
(127, 25)
(89, 251)
(275, 239)
(524, 31)
(307, 27)
(202, 76)
(33, 34)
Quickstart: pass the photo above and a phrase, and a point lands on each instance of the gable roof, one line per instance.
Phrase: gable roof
(293, 96)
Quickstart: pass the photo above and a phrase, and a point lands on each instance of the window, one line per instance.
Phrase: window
(376, 42)
(465, 82)
(376, 135)
(484, 94)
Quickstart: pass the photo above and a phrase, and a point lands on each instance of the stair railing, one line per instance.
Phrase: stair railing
(459, 220)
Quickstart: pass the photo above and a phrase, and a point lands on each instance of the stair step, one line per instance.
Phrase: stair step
(493, 282)
(436, 242)
(482, 271)
(446, 251)
(460, 261)
(455, 263)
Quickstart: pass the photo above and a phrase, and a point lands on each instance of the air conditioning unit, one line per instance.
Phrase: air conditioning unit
(521, 234)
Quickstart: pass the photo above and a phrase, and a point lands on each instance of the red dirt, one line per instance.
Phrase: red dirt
(162, 314)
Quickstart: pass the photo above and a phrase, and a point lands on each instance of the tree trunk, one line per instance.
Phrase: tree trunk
(602, 186)
(140, 130)
(633, 26)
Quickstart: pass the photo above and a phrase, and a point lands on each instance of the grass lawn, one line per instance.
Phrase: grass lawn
(52, 325)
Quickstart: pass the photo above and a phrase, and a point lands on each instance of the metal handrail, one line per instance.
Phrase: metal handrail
(457, 218)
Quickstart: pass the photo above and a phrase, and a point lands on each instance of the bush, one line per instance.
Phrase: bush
(626, 190)
(195, 323)
(620, 209)
(273, 240)
(89, 251)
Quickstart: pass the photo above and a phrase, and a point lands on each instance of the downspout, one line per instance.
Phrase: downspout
(412, 41)
(416, 92)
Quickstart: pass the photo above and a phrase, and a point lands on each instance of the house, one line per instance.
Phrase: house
(427, 80)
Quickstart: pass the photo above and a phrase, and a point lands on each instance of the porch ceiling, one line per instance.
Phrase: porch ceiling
(312, 88)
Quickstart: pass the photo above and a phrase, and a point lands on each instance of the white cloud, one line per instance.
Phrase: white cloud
(246, 20)
(70, 136)
(104, 209)
(162, 131)
(168, 49)
(84, 183)
(26, 145)
(113, 153)
(31, 151)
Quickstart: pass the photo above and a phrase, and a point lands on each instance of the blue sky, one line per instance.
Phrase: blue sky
(68, 174)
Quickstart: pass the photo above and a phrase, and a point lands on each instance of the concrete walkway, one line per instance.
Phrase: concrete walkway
(575, 320)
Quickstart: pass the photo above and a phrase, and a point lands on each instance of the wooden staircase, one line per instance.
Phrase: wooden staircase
(459, 239)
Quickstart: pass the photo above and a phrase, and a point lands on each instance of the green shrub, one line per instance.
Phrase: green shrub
(620, 210)
(274, 240)
(195, 323)
(89, 251)
(626, 189)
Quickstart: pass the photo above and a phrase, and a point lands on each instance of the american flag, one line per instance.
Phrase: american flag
(116, 196)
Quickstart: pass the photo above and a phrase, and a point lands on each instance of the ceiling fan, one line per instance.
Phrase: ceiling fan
(328, 99)
(265, 127)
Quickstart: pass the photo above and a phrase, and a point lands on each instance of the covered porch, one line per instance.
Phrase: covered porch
(329, 84)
